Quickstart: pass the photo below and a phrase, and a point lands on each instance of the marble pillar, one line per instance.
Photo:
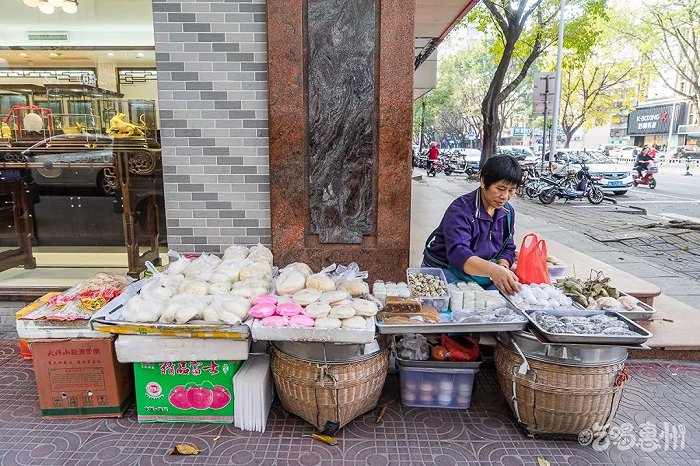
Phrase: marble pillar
(340, 107)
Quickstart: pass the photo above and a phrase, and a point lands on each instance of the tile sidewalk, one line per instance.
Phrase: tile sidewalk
(486, 434)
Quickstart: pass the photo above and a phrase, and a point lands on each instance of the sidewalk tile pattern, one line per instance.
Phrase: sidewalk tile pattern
(486, 434)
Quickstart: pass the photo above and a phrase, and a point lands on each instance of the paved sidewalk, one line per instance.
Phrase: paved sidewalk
(486, 434)
(667, 257)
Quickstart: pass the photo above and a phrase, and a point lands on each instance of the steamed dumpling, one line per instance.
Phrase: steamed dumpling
(320, 282)
(299, 267)
(290, 281)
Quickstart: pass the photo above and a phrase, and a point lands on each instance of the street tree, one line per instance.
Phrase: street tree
(524, 29)
(673, 43)
(600, 81)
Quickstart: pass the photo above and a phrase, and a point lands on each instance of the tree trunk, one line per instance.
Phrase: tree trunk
(569, 136)
(491, 130)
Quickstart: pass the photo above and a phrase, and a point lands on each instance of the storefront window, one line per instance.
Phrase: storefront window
(74, 104)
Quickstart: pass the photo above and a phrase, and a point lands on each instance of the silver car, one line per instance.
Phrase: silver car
(610, 176)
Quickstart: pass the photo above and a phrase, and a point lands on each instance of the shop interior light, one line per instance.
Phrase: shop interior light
(70, 6)
(49, 6)
(46, 8)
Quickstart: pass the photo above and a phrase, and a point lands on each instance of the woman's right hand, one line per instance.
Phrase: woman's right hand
(504, 279)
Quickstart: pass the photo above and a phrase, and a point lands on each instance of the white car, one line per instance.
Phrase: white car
(625, 152)
(610, 176)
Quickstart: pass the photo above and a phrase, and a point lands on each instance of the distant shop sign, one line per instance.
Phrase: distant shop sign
(652, 120)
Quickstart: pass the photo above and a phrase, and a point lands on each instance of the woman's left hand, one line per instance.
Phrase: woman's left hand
(504, 279)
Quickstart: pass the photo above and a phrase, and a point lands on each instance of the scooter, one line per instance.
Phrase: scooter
(584, 188)
(648, 178)
(436, 166)
(459, 164)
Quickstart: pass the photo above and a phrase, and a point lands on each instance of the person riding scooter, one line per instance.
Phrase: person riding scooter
(433, 154)
(642, 161)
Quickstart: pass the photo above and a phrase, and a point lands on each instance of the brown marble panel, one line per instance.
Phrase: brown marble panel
(384, 253)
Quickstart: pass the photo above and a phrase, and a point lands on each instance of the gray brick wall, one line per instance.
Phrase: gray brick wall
(212, 90)
(8, 328)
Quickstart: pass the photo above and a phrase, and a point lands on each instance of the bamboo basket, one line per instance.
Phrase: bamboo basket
(553, 399)
(328, 394)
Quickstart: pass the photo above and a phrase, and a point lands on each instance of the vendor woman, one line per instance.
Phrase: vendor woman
(474, 241)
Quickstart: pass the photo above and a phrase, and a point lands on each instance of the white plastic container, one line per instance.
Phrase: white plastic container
(436, 388)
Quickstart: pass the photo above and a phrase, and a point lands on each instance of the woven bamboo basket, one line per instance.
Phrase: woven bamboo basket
(328, 393)
(553, 399)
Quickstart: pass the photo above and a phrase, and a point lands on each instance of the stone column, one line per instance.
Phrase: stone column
(341, 95)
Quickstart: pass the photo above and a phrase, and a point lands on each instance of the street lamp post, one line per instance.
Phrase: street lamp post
(557, 91)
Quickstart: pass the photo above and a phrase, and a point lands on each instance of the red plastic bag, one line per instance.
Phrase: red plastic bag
(532, 261)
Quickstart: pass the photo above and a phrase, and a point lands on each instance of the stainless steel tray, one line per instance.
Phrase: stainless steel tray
(451, 327)
(647, 313)
(575, 306)
(440, 364)
(567, 338)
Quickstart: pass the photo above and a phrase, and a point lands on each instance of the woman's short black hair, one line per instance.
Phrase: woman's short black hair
(501, 167)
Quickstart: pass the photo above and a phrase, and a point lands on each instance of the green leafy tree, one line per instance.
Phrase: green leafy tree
(672, 42)
(600, 81)
(525, 30)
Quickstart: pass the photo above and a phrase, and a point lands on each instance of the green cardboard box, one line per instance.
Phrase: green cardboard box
(185, 391)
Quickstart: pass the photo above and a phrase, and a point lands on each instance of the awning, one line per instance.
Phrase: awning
(433, 22)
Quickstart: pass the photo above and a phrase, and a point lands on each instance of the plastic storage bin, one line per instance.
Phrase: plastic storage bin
(441, 303)
(436, 388)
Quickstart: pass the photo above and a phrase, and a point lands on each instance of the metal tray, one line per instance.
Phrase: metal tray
(574, 306)
(440, 364)
(109, 320)
(451, 327)
(647, 313)
(568, 338)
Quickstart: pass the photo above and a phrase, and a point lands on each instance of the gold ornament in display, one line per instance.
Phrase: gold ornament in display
(119, 128)
(6, 131)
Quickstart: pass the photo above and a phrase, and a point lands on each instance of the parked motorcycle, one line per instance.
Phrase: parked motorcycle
(648, 178)
(459, 164)
(584, 188)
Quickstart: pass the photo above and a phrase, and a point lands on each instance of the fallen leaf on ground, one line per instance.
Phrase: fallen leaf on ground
(542, 462)
(185, 449)
(381, 414)
(323, 438)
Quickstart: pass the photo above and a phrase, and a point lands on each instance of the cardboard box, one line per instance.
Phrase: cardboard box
(185, 391)
(81, 378)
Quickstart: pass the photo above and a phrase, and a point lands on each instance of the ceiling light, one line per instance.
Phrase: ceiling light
(46, 8)
(70, 7)
(31, 3)
(55, 3)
